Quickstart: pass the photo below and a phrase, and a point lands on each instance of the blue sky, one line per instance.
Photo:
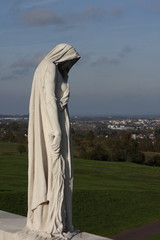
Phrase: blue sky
(118, 41)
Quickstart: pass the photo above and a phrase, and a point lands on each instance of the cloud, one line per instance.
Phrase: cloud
(40, 17)
(16, 6)
(20, 71)
(21, 67)
(104, 60)
(38, 3)
(125, 51)
(44, 17)
(115, 12)
(7, 78)
(151, 5)
(23, 63)
(87, 14)
(21, 5)
(28, 63)
(85, 58)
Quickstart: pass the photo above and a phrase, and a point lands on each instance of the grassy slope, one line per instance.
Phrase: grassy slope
(109, 197)
(121, 196)
(157, 237)
(7, 147)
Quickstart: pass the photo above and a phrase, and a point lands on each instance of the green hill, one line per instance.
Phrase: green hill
(109, 197)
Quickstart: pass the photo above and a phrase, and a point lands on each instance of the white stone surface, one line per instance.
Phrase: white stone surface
(50, 174)
(12, 223)
(88, 236)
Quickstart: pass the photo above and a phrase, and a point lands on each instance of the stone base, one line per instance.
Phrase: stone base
(11, 224)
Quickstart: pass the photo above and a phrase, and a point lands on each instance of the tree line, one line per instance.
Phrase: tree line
(117, 146)
(120, 148)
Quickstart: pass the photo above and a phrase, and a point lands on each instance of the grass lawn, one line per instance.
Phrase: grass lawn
(157, 237)
(108, 198)
(7, 147)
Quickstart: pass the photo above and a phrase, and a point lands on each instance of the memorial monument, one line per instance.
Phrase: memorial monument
(50, 156)
(50, 173)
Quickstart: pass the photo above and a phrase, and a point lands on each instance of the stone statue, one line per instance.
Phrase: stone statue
(50, 156)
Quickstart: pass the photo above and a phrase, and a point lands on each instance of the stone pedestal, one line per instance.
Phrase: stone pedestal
(10, 224)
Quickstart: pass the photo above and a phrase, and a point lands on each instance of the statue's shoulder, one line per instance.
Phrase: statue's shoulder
(46, 65)
(51, 67)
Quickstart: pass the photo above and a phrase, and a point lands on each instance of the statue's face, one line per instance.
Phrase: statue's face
(64, 69)
(65, 66)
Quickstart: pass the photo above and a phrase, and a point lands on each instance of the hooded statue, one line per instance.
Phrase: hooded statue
(50, 173)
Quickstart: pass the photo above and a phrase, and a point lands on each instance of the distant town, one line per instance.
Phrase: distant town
(134, 139)
(139, 127)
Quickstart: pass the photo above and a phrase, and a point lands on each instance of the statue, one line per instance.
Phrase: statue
(50, 173)
(50, 155)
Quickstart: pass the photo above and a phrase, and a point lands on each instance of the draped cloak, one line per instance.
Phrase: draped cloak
(50, 172)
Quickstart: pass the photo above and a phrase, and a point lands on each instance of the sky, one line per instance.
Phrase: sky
(118, 40)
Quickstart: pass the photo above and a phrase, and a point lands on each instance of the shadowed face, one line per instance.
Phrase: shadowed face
(67, 65)
(64, 67)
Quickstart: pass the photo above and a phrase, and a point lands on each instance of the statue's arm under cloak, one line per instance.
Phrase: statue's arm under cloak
(52, 109)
